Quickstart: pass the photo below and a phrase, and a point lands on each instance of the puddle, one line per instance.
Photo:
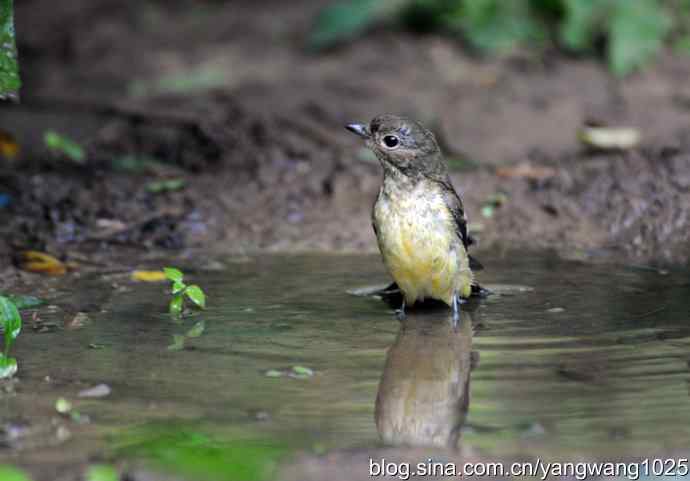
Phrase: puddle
(577, 361)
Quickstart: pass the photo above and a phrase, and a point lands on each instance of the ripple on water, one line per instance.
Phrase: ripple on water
(564, 359)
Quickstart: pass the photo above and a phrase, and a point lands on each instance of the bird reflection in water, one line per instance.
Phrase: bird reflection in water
(423, 396)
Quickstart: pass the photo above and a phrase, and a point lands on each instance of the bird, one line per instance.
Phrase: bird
(418, 217)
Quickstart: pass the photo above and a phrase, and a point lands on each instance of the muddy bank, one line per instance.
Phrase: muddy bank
(254, 131)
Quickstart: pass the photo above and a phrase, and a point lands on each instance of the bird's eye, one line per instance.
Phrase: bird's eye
(391, 141)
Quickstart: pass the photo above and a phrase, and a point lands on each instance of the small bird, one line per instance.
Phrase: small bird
(418, 217)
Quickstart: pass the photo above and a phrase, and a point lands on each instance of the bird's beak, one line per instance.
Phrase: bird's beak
(359, 129)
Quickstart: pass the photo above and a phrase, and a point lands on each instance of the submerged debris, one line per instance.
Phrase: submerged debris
(296, 372)
(149, 276)
(97, 391)
(610, 138)
(40, 262)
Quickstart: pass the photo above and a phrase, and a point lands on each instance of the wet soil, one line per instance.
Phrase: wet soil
(226, 98)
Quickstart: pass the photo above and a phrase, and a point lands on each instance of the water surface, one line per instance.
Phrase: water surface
(569, 359)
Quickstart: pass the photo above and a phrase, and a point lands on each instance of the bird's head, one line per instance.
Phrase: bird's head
(402, 144)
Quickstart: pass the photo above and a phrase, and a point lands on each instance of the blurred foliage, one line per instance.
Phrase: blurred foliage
(102, 472)
(11, 323)
(65, 147)
(196, 79)
(9, 473)
(345, 20)
(487, 25)
(630, 31)
(165, 185)
(9, 71)
(198, 455)
(23, 301)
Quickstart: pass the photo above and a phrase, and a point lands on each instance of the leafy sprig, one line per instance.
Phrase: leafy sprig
(11, 323)
(181, 291)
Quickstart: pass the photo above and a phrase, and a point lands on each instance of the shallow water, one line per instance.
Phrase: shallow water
(590, 361)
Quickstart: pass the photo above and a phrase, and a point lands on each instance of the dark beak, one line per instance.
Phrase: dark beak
(359, 129)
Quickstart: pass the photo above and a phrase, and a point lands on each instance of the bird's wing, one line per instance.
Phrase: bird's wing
(454, 204)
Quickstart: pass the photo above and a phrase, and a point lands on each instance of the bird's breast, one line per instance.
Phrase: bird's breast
(418, 242)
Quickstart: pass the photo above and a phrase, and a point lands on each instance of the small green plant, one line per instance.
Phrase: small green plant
(63, 146)
(11, 323)
(180, 291)
(9, 70)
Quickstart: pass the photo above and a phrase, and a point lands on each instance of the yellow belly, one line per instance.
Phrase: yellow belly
(422, 251)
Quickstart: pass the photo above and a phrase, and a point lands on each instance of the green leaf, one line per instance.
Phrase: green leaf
(635, 34)
(173, 274)
(11, 322)
(25, 302)
(196, 295)
(495, 26)
(176, 304)
(168, 185)
(9, 69)
(178, 343)
(63, 406)
(8, 366)
(192, 454)
(102, 472)
(197, 330)
(302, 371)
(577, 32)
(178, 287)
(10, 473)
(349, 18)
(62, 145)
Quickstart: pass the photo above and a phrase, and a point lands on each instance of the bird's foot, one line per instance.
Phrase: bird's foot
(457, 301)
(400, 313)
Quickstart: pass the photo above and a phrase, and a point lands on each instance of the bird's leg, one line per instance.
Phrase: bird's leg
(401, 312)
(456, 310)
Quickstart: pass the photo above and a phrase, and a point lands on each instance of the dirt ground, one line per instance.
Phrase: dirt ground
(224, 96)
